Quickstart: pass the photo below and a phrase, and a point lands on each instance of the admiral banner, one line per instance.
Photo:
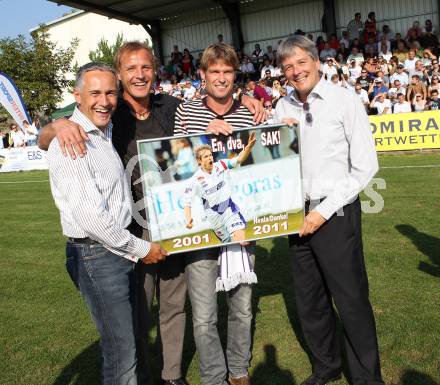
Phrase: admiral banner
(408, 131)
(203, 191)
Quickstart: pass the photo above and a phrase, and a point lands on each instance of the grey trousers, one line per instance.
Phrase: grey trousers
(168, 278)
(201, 274)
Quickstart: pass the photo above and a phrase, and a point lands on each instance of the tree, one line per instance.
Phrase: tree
(105, 52)
(38, 67)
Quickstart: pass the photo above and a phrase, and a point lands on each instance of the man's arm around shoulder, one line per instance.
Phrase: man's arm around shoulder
(71, 137)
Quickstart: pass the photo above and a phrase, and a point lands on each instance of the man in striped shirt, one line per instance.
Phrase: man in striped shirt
(93, 196)
(218, 111)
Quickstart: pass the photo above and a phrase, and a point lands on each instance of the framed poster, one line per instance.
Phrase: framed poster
(205, 190)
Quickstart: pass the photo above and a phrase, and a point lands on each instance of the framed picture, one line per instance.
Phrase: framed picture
(205, 190)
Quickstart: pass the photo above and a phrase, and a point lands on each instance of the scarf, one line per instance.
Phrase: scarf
(234, 268)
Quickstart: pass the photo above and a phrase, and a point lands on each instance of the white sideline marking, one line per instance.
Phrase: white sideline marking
(424, 166)
(385, 167)
(26, 181)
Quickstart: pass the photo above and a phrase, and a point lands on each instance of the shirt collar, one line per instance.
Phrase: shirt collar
(87, 124)
(234, 107)
(318, 91)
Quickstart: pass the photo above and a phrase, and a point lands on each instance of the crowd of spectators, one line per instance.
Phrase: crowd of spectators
(391, 72)
(15, 136)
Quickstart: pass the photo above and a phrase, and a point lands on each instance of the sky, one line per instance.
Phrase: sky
(19, 16)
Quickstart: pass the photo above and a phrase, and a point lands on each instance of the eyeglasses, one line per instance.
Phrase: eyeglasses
(309, 117)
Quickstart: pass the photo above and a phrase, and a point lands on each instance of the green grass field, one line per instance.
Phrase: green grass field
(47, 337)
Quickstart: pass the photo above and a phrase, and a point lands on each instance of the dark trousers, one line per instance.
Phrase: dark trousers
(168, 278)
(329, 266)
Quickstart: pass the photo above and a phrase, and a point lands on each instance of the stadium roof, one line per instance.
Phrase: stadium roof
(142, 11)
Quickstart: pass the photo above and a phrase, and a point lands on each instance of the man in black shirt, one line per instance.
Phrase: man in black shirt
(364, 80)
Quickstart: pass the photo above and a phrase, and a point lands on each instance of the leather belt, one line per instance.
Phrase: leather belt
(84, 241)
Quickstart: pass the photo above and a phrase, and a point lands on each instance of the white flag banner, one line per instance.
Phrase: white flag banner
(11, 100)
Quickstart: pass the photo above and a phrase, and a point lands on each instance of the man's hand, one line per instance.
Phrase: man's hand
(71, 137)
(219, 126)
(255, 107)
(312, 222)
(155, 255)
(189, 223)
(290, 122)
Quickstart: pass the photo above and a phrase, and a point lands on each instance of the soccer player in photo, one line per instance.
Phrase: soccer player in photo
(210, 184)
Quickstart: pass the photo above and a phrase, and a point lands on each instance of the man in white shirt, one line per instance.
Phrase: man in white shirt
(267, 67)
(355, 55)
(381, 103)
(410, 63)
(362, 95)
(354, 70)
(17, 136)
(400, 75)
(329, 68)
(338, 160)
(344, 39)
(31, 133)
(384, 52)
(165, 83)
(396, 89)
(189, 91)
(94, 199)
(402, 105)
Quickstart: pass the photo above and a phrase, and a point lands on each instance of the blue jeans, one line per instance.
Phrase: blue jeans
(201, 274)
(106, 282)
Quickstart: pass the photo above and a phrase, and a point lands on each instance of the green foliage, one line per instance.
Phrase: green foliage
(105, 52)
(38, 67)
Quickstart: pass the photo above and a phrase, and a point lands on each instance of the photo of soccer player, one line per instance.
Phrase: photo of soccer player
(210, 185)
(204, 190)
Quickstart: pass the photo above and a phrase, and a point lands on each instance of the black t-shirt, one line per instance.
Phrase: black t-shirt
(127, 130)
(364, 82)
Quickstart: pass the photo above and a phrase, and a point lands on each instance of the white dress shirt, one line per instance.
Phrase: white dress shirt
(337, 148)
(93, 193)
(402, 107)
(382, 105)
(18, 138)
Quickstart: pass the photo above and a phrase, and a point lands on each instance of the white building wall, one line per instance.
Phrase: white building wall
(90, 28)
(397, 14)
(194, 31)
(262, 22)
(267, 22)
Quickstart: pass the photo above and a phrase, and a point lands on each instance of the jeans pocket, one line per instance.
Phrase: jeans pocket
(96, 252)
(72, 263)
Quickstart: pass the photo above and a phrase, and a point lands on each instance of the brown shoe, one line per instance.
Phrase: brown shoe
(245, 380)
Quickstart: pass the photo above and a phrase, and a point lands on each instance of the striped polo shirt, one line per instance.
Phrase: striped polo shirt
(193, 117)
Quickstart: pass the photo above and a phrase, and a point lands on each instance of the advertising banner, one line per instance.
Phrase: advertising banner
(22, 159)
(407, 131)
(204, 190)
(10, 99)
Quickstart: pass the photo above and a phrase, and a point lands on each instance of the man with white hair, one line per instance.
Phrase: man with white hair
(338, 160)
